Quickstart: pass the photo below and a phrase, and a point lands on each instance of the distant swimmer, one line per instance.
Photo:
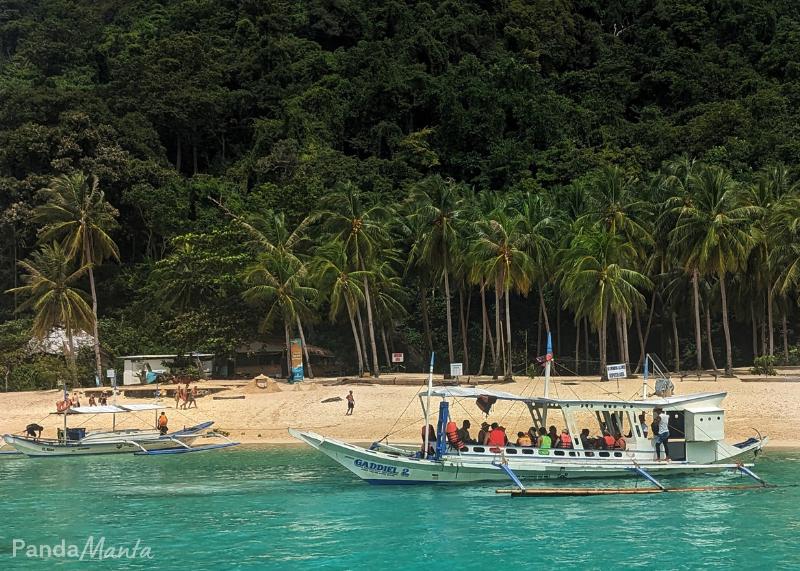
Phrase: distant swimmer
(351, 404)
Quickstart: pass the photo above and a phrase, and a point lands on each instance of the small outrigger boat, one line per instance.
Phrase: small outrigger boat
(77, 442)
(696, 425)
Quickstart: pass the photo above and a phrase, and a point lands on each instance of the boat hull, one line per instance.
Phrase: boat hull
(114, 442)
(384, 468)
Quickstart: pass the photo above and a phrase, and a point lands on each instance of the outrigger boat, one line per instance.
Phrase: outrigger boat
(77, 442)
(696, 425)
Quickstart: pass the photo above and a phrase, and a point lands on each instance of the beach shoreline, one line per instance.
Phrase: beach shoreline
(253, 415)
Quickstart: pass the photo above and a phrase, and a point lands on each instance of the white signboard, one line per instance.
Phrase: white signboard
(111, 373)
(397, 357)
(616, 371)
(456, 369)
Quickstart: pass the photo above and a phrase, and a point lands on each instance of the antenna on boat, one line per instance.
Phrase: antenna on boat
(428, 406)
(547, 361)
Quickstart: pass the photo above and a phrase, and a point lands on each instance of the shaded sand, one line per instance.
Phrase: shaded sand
(264, 416)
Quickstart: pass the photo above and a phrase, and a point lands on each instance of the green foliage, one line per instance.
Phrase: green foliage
(764, 365)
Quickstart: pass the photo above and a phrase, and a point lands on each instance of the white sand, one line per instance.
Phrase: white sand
(264, 417)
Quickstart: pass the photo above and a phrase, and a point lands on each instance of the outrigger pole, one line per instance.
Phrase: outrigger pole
(428, 407)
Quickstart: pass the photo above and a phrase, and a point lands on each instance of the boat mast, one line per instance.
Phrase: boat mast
(428, 407)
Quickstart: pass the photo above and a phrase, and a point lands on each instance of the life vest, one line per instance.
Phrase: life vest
(566, 441)
(524, 441)
(497, 438)
(452, 436)
(162, 421)
(63, 405)
(609, 440)
(620, 444)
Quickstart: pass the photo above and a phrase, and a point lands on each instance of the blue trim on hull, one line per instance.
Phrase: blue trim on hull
(378, 482)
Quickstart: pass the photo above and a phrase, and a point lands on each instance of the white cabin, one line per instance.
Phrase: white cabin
(134, 366)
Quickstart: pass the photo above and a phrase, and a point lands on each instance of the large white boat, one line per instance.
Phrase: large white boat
(697, 442)
(77, 442)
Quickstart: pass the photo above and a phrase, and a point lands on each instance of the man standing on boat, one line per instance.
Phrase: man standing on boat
(162, 423)
(663, 432)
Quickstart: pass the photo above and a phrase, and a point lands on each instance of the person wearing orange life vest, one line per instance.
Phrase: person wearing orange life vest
(565, 441)
(620, 443)
(608, 440)
(452, 436)
(162, 423)
(497, 437)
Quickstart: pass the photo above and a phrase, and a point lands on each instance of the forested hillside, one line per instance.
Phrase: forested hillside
(401, 175)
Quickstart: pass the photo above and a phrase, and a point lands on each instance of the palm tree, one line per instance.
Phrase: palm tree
(713, 232)
(77, 214)
(277, 281)
(363, 231)
(436, 211)
(500, 258)
(679, 180)
(596, 280)
(49, 287)
(342, 286)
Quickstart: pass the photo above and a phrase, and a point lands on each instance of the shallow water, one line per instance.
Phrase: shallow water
(292, 508)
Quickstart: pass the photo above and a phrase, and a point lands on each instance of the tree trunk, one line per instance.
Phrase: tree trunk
(465, 334)
(770, 322)
(728, 350)
(544, 309)
(72, 361)
(539, 350)
(586, 340)
(450, 351)
(355, 337)
(288, 349)
(386, 347)
(577, 345)
(638, 319)
(755, 329)
(97, 362)
(627, 361)
(785, 333)
(709, 345)
(497, 329)
(558, 326)
(676, 348)
(376, 372)
(603, 339)
(363, 336)
(305, 348)
(484, 324)
(178, 154)
(697, 339)
(509, 363)
(425, 321)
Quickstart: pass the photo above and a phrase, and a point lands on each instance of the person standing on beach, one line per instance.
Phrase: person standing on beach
(178, 392)
(193, 397)
(351, 404)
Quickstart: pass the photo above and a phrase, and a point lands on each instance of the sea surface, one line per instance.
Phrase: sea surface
(292, 508)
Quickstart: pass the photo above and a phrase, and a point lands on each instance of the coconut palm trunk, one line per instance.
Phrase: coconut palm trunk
(770, 327)
(676, 348)
(72, 360)
(484, 323)
(97, 361)
(464, 315)
(709, 344)
(386, 347)
(697, 335)
(577, 345)
(364, 354)
(497, 332)
(754, 329)
(287, 334)
(305, 347)
(425, 319)
(371, 326)
(785, 333)
(450, 350)
(355, 337)
(509, 363)
(602, 338)
(725, 326)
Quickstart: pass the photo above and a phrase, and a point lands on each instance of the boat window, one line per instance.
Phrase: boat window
(527, 451)
(479, 449)
(589, 454)
(604, 454)
(572, 453)
(558, 452)
(617, 454)
(465, 449)
(511, 451)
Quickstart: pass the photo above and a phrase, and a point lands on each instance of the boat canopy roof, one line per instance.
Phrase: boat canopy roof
(115, 409)
(675, 401)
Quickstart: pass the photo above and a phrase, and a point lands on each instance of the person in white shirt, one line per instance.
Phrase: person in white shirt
(663, 433)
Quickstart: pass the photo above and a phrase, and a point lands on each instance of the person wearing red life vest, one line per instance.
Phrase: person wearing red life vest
(565, 441)
(497, 436)
(452, 436)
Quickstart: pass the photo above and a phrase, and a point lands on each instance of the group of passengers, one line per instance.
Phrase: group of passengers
(495, 435)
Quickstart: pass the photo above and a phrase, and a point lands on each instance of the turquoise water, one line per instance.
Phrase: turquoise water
(292, 508)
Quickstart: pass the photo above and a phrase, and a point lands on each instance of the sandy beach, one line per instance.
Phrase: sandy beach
(773, 408)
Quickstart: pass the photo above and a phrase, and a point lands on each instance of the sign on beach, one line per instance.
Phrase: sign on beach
(616, 371)
(397, 357)
(111, 373)
(456, 369)
(296, 374)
